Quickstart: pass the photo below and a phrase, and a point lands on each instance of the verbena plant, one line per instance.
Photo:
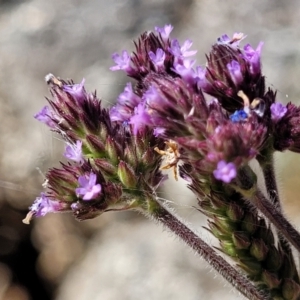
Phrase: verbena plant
(209, 123)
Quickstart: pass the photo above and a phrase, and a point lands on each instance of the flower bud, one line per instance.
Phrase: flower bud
(259, 249)
(127, 175)
(271, 279)
(241, 240)
(106, 167)
(112, 150)
(235, 212)
(251, 267)
(290, 289)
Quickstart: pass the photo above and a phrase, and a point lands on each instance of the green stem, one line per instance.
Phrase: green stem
(240, 282)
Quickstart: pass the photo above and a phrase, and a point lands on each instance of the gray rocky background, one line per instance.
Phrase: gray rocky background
(119, 255)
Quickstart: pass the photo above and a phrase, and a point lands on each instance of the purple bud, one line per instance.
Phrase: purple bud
(164, 31)
(45, 116)
(74, 152)
(277, 111)
(253, 57)
(122, 62)
(157, 58)
(120, 113)
(235, 72)
(77, 91)
(225, 171)
(88, 187)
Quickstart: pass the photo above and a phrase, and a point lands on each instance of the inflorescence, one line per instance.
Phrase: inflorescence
(209, 122)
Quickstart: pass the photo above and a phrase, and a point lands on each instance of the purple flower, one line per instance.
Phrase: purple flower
(88, 187)
(185, 70)
(43, 205)
(225, 171)
(235, 72)
(253, 57)
(45, 116)
(128, 97)
(202, 82)
(157, 58)
(74, 152)
(181, 52)
(77, 91)
(164, 31)
(277, 111)
(140, 119)
(122, 62)
(234, 42)
(120, 113)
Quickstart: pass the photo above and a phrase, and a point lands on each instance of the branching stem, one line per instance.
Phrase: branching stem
(240, 282)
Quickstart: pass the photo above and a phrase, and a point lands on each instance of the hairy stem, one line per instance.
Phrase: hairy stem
(267, 166)
(240, 282)
(276, 217)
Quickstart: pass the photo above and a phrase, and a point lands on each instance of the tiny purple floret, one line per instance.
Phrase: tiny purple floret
(88, 187)
(277, 111)
(74, 152)
(128, 97)
(253, 57)
(234, 69)
(225, 171)
(122, 62)
(202, 82)
(157, 58)
(77, 91)
(43, 205)
(44, 116)
(186, 71)
(232, 42)
(164, 31)
(182, 51)
(140, 119)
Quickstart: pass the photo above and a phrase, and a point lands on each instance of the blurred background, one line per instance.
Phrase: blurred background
(118, 255)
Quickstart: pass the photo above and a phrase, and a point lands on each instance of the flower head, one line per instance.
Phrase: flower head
(88, 188)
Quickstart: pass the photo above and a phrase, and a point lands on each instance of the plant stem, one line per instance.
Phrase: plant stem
(267, 166)
(240, 282)
(276, 217)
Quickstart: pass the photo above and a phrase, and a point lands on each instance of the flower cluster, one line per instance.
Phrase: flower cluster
(208, 122)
